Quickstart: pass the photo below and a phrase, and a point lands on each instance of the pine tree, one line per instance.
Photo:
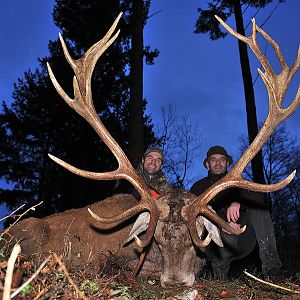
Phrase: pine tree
(39, 122)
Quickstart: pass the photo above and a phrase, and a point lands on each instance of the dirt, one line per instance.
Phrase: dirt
(114, 281)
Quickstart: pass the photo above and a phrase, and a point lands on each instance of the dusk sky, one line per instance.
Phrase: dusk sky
(201, 77)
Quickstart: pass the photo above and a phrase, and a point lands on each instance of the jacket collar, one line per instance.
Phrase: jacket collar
(215, 177)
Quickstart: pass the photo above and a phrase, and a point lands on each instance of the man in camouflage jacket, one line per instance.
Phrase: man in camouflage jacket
(150, 171)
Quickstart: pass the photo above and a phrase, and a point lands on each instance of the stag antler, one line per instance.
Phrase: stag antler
(276, 85)
(83, 105)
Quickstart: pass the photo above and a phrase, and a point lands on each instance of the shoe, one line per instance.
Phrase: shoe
(274, 275)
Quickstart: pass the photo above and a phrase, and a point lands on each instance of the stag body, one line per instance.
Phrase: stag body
(156, 211)
(72, 235)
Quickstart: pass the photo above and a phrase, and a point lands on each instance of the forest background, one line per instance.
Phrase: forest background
(199, 78)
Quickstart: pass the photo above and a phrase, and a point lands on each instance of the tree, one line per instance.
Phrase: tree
(136, 140)
(135, 14)
(281, 156)
(180, 139)
(39, 122)
(207, 23)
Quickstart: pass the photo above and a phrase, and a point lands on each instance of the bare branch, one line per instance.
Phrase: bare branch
(10, 270)
(276, 286)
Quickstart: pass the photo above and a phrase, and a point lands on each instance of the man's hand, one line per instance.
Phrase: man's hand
(232, 224)
(233, 212)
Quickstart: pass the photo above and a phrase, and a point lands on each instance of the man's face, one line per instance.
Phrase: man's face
(152, 162)
(217, 164)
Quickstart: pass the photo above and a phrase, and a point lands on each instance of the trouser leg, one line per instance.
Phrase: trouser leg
(220, 270)
(263, 227)
(219, 263)
(235, 248)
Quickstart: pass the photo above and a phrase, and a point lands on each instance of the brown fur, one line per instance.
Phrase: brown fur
(73, 233)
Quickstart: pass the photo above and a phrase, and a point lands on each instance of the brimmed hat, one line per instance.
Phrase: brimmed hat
(155, 149)
(217, 150)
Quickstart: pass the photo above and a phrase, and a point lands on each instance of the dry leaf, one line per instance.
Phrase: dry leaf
(45, 270)
(26, 265)
(224, 294)
(3, 264)
(199, 297)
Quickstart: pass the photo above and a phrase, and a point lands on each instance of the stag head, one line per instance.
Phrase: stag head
(179, 220)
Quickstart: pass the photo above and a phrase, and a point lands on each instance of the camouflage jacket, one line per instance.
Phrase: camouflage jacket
(157, 182)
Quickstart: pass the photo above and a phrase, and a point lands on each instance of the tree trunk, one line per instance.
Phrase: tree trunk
(136, 134)
(257, 162)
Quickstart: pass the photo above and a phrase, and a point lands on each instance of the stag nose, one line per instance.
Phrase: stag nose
(177, 283)
(173, 284)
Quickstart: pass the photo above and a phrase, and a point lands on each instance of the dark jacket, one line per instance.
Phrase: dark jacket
(222, 201)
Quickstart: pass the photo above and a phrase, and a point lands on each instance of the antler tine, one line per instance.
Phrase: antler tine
(83, 105)
(276, 85)
(83, 69)
(214, 217)
(278, 52)
(232, 180)
(197, 241)
(286, 73)
(113, 222)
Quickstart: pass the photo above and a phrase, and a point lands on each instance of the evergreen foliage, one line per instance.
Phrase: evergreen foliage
(281, 156)
(39, 122)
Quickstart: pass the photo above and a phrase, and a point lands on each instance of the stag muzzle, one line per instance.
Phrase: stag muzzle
(177, 281)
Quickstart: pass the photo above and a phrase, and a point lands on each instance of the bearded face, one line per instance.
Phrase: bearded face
(217, 164)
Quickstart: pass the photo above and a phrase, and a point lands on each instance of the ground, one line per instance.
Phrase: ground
(114, 281)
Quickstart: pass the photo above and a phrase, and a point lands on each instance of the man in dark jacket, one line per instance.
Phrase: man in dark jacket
(239, 207)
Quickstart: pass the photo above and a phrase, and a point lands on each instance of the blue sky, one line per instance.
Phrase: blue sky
(202, 78)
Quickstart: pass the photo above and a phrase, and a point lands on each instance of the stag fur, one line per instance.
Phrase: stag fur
(72, 234)
(171, 221)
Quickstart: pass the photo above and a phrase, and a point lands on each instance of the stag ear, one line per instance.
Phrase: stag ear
(139, 226)
(212, 229)
(142, 222)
